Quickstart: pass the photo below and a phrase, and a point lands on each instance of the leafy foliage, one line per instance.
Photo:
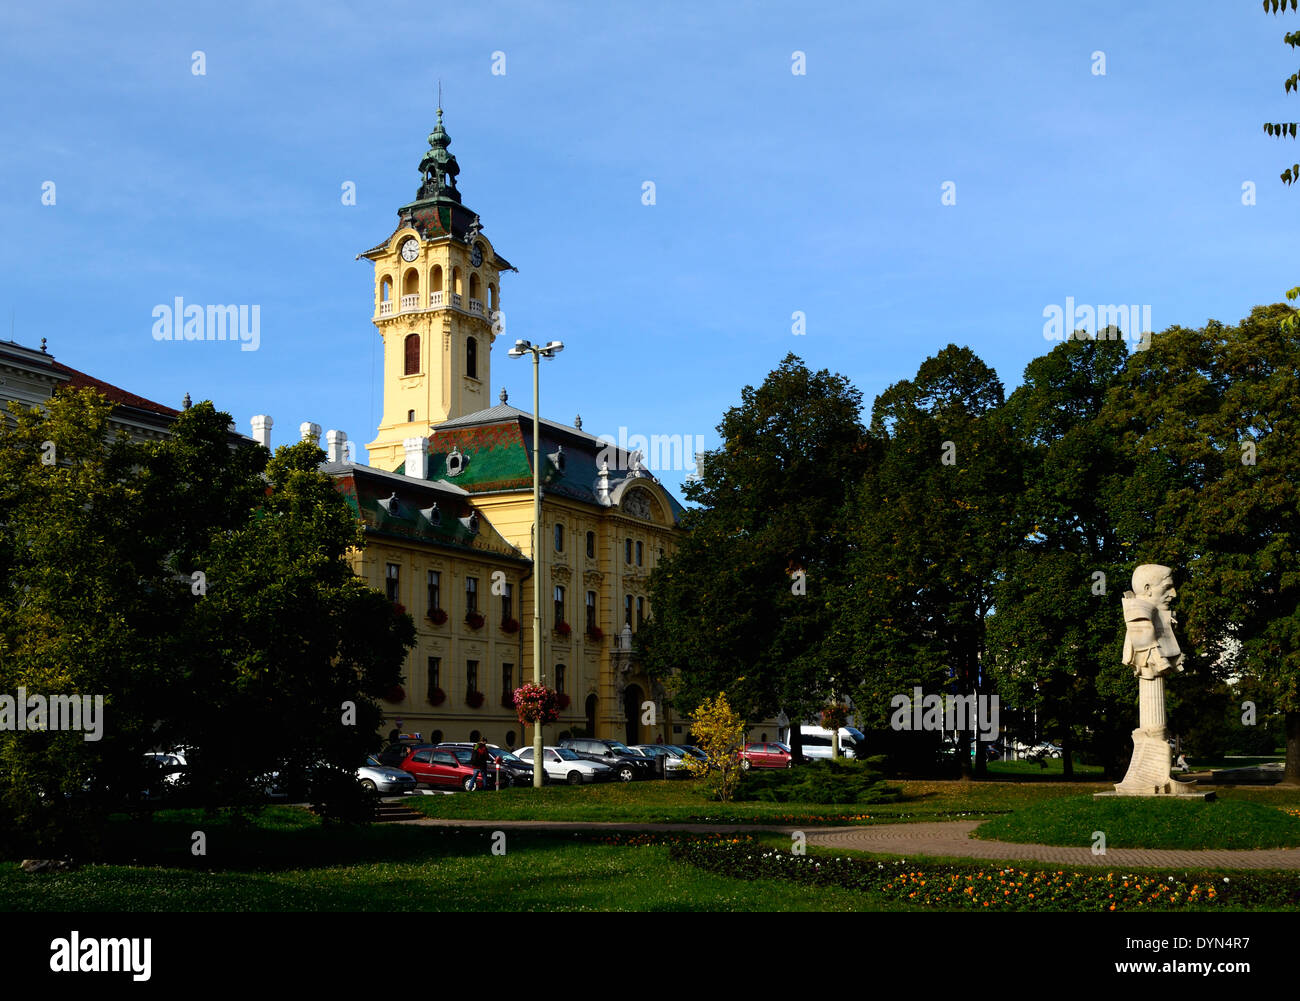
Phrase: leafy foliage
(719, 732)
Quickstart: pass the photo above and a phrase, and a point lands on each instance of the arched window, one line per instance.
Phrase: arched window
(455, 282)
(471, 358)
(435, 278)
(410, 282)
(492, 298)
(473, 285)
(412, 346)
(386, 289)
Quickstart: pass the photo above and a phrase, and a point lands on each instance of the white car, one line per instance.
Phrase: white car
(563, 765)
(378, 777)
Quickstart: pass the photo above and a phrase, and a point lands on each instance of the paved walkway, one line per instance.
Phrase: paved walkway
(950, 838)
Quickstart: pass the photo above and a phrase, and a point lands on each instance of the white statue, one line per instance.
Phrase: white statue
(1152, 650)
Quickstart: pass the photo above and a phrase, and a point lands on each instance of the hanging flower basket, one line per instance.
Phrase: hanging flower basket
(507, 700)
(510, 625)
(473, 699)
(438, 616)
(563, 628)
(395, 694)
(561, 701)
(437, 697)
(535, 704)
(474, 620)
(596, 633)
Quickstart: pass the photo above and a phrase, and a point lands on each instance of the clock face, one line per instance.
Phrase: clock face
(410, 249)
(476, 255)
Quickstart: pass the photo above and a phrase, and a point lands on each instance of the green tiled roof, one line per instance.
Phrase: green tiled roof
(399, 507)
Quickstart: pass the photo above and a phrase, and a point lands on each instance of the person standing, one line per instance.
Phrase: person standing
(479, 761)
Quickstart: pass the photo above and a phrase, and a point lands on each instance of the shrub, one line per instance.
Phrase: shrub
(820, 782)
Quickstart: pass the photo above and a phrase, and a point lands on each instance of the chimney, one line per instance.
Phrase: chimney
(417, 457)
(262, 429)
(310, 432)
(336, 446)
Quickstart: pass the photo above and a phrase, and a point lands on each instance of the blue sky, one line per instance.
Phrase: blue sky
(775, 192)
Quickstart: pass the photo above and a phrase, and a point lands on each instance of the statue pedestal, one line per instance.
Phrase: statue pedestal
(1149, 772)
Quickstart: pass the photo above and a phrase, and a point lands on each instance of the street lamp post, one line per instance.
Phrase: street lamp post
(538, 352)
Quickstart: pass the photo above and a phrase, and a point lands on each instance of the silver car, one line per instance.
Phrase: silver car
(380, 778)
(674, 760)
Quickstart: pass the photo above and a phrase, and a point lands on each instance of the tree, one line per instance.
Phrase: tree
(929, 528)
(1281, 129)
(1055, 635)
(199, 589)
(763, 552)
(1216, 407)
(719, 731)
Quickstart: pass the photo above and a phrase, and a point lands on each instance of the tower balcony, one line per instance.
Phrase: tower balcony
(476, 306)
(410, 302)
(456, 300)
(386, 308)
(435, 299)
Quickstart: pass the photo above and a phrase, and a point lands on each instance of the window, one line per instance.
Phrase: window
(638, 554)
(410, 417)
(423, 757)
(392, 580)
(471, 594)
(627, 609)
(471, 358)
(507, 603)
(507, 678)
(435, 673)
(412, 360)
(444, 758)
(640, 611)
(627, 551)
(471, 675)
(591, 611)
(559, 606)
(559, 538)
(591, 545)
(435, 591)
(559, 677)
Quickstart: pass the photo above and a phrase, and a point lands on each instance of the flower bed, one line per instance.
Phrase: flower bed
(953, 887)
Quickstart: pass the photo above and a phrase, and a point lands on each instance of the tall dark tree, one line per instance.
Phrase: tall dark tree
(745, 604)
(929, 530)
(1055, 637)
(1216, 407)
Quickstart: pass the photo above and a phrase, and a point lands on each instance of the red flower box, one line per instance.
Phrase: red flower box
(474, 620)
(596, 633)
(395, 694)
(473, 699)
(563, 628)
(438, 616)
(510, 625)
(437, 697)
(507, 700)
(561, 700)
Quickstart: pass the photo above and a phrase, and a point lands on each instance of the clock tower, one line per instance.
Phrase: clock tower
(437, 308)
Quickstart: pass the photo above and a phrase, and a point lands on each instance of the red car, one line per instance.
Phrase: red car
(769, 755)
(436, 766)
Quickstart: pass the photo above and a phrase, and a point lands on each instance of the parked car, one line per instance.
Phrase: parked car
(378, 777)
(563, 764)
(627, 766)
(674, 759)
(437, 767)
(514, 771)
(771, 754)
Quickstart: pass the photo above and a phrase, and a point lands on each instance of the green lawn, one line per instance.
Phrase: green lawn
(1051, 768)
(288, 862)
(1147, 823)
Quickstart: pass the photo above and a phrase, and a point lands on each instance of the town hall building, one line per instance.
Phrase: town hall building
(447, 505)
